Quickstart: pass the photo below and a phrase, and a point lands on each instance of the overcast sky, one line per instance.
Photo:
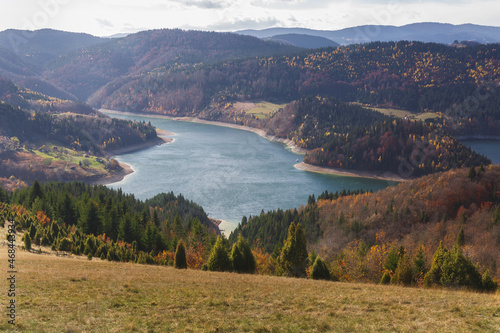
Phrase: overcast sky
(107, 17)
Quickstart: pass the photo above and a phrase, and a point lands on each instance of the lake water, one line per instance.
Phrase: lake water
(489, 148)
(232, 173)
(229, 172)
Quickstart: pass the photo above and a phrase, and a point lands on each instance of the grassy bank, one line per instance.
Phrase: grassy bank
(58, 294)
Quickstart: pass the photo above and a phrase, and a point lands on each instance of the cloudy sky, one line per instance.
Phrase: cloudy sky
(107, 17)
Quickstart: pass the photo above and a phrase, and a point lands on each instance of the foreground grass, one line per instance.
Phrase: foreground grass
(74, 295)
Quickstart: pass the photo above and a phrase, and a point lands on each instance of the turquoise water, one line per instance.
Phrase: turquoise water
(232, 173)
(229, 172)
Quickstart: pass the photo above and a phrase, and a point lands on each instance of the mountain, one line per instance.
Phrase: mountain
(24, 55)
(412, 76)
(40, 47)
(305, 41)
(47, 138)
(423, 32)
(154, 52)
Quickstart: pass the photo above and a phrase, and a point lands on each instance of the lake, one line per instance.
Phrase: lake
(229, 172)
(488, 147)
(232, 173)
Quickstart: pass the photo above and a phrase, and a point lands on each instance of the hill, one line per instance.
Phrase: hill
(346, 136)
(61, 140)
(105, 296)
(421, 32)
(40, 47)
(305, 41)
(155, 51)
(405, 75)
(356, 231)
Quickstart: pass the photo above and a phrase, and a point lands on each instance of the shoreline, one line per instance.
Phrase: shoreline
(129, 149)
(287, 142)
(126, 168)
(116, 177)
(349, 173)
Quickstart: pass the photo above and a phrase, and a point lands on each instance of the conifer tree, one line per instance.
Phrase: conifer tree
(489, 284)
(419, 264)
(293, 257)
(242, 256)
(27, 241)
(90, 221)
(461, 237)
(219, 257)
(472, 173)
(433, 276)
(180, 256)
(319, 270)
(34, 192)
(403, 274)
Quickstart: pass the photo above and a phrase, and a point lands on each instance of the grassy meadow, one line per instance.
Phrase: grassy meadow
(260, 110)
(68, 294)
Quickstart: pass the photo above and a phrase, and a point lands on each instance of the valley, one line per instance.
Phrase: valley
(143, 200)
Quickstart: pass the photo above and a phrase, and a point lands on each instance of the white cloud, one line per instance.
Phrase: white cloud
(104, 17)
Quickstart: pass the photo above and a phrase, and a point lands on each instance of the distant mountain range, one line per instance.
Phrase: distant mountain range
(422, 32)
(305, 41)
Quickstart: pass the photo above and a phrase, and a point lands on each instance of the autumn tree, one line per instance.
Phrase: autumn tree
(180, 256)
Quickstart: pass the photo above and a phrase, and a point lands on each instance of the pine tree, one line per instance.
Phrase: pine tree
(89, 221)
(219, 258)
(403, 274)
(433, 276)
(458, 271)
(34, 192)
(293, 257)
(180, 256)
(320, 271)
(472, 173)
(242, 256)
(419, 264)
(489, 284)
(27, 241)
(461, 237)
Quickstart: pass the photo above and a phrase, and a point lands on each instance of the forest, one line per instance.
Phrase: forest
(438, 230)
(96, 221)
(363, 236)
(341, 135)
(408, 75)
(46, 138)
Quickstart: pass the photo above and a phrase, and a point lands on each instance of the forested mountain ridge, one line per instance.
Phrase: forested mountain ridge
(341, 135)
(46, 138)
(156, 51)
(409, 75)
(41, 47)
(356, 232)
(207, 75)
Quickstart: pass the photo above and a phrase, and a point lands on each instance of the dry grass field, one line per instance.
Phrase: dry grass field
(57, 294)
